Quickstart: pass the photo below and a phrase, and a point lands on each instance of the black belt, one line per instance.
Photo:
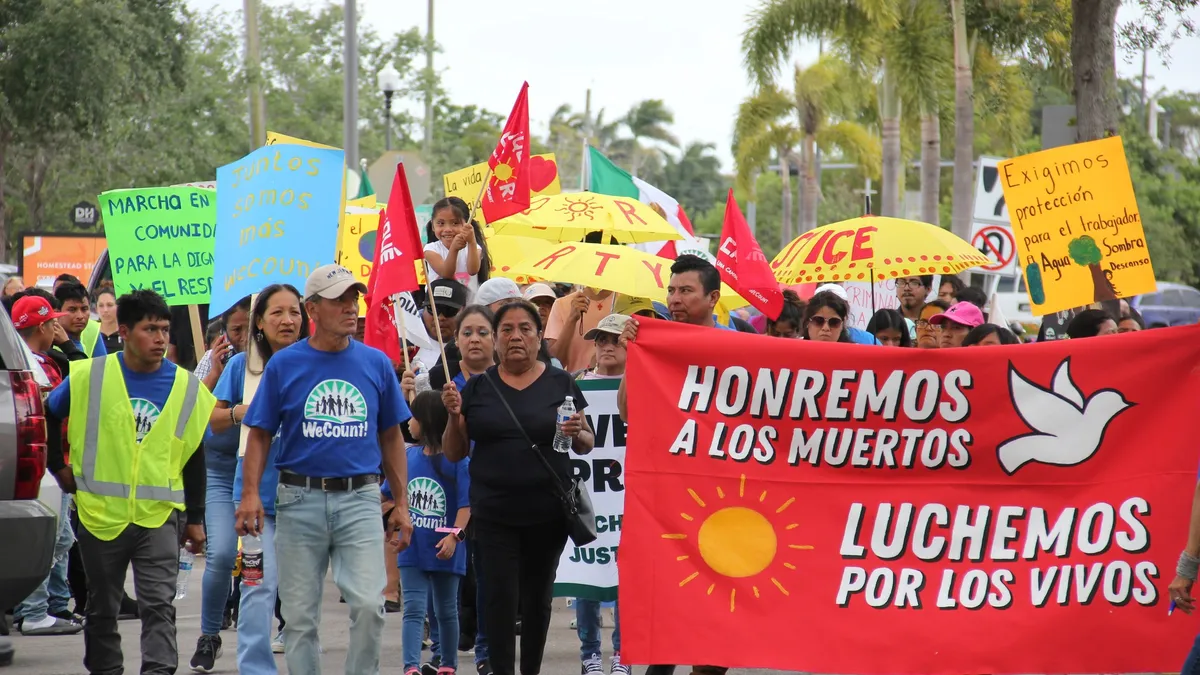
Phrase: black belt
(328, 484)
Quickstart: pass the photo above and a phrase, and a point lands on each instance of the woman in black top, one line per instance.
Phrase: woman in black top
(520, 529)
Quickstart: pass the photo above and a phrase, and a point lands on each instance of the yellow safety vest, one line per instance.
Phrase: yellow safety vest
(89, 337)
(120, 481)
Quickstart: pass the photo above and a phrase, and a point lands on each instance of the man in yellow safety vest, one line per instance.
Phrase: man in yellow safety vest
(77, 319)
(136, 421)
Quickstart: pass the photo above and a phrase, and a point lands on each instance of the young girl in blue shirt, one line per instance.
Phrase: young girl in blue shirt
(439, 504)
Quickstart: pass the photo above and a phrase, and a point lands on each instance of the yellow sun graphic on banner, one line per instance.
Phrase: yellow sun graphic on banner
(579, 208)
(502, 173)
(739, 540)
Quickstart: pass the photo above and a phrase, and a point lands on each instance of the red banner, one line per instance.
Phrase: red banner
(846, 509)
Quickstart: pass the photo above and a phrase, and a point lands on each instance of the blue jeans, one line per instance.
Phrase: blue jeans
(1192, 665)
(51, 595)
(314, 528)
(256, 610)
(435, 633)
(481, 641)
(221, 549)
(587, 621)
(418, 586)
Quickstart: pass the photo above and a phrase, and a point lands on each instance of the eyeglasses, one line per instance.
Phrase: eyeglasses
(909, 283)
(923, 324)
(820, 321)
(446, 312)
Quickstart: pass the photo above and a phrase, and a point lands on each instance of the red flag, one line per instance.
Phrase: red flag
(398, 245)
(835, 508)
(743, 265)
(380, 330)
(508, 188)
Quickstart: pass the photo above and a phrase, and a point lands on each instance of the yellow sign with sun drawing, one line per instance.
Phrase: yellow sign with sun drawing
(467, 183)
(1078, 231)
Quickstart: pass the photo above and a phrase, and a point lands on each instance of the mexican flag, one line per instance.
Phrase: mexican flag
(609, 179)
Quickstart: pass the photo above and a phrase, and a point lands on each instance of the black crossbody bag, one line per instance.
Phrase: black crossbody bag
(577, 503)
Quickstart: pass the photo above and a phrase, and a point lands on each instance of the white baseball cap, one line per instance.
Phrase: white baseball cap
(497, 289)
(540, 290)
(331, 282)
(833, 288)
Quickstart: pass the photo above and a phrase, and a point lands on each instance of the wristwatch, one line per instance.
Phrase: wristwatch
(460, 534)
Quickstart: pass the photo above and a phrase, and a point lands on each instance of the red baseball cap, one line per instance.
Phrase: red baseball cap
(32, 310)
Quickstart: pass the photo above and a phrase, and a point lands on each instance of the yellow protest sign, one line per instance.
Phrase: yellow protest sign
(466, 183)
(275, 138)
(356, 250)
(1076, 223)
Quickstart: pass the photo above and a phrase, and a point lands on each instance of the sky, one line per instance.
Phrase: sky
(685, 52)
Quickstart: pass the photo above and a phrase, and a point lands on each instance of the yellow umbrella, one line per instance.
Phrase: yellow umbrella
(872, 248)
(506, 253)
(619, 269)
(570, 217)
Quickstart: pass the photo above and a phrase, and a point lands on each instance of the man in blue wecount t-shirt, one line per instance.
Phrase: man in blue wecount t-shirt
(337, 406)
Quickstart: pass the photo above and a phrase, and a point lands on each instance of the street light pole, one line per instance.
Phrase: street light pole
(350, 74)
(389, 82)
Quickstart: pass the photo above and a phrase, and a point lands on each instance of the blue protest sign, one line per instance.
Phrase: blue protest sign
(277, 219)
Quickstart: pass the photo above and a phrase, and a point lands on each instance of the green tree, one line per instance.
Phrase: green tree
(764, 126)
(67, 71)
(649, 120)
(693, 178)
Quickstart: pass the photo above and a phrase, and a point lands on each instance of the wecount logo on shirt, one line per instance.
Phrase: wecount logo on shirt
(145, 414)
(335, 409)
(426, 503)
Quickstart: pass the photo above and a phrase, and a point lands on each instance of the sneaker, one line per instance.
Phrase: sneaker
(277, 643)
(68, 615)
(617, 668)
(227, 620)
(484, 667)
(412, 670)
(208, 650)
(432, 666)
(52, 626)
(445, 670)
(592, 665)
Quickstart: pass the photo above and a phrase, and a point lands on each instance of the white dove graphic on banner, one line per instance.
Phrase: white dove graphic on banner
(1068, 429)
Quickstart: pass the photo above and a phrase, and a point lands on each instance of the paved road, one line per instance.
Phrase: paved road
(64, 655)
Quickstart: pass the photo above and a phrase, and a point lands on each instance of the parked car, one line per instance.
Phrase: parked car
(27, 527)
(1171, 305)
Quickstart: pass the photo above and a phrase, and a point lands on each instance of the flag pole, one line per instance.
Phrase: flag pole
(398, 323)
(437, 324)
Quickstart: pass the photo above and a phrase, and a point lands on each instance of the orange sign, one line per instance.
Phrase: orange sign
(44, 257)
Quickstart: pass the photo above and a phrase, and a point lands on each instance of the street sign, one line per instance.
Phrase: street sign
(996, 242)
(989, 197)
(84, 215)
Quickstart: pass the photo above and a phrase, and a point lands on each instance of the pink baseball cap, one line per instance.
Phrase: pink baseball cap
(963, 314)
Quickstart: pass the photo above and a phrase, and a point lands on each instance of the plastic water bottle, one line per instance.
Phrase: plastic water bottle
(252, 560)
(562, 442)
(421, 378)
(186, 560)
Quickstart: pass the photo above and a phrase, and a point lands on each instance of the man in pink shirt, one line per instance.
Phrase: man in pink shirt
(572, 316)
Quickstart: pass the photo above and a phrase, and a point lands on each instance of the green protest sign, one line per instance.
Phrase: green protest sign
(162, 239)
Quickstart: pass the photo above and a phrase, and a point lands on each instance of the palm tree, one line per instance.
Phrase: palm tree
(694, 179)
(649, 119)
(762, 127)
(826, 96)
(897, 40)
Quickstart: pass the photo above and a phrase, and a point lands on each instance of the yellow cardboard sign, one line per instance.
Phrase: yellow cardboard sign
(274, 138)
(467, 183)
(356, 250)
(1076, 223)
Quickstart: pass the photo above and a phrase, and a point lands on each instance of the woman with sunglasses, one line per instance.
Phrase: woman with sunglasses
(825, 318)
